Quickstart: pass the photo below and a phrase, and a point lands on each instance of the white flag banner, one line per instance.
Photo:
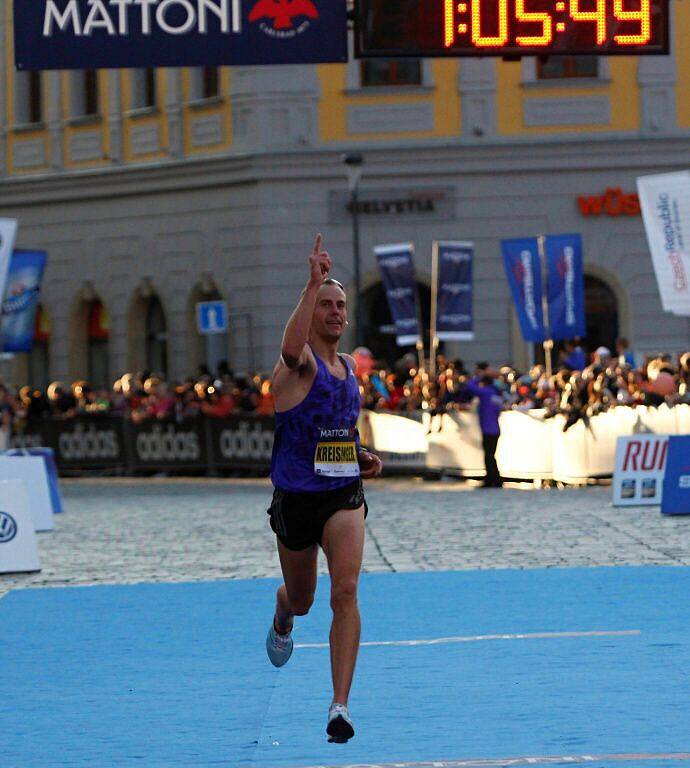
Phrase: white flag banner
(8, 233)
(665, 203)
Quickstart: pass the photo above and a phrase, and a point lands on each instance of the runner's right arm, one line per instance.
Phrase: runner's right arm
(293, 348)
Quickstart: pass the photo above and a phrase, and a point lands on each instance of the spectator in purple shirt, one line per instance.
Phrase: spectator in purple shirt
(490, 398)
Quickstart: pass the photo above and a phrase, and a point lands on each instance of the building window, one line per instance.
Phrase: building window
(144, 88)
(39, 357)
(28, 106)
(84, 94)
(156, 337)
(205, 83)
(98, 338)
(392, 72)
(560, 67)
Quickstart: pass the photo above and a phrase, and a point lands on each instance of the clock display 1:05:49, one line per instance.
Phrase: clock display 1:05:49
(464, 19)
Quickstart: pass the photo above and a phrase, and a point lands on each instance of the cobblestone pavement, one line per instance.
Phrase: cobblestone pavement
(150, 530)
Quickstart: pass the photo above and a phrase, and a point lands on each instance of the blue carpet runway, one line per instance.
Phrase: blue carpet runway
(172, 675)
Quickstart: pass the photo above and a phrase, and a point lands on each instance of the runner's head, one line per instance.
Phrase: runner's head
(330, 312)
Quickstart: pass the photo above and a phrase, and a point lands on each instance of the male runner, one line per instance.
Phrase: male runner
(318, 498)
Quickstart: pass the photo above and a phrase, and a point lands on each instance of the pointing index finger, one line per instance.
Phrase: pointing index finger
(317, 244)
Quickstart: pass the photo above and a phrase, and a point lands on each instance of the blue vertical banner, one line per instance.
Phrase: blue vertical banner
(454, 320)
(21, 300)
(397, 272)
(565, 287)
(675, 498)
(523, 268)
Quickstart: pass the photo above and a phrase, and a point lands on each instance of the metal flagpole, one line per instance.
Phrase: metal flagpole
(434, 309)
(548, 341)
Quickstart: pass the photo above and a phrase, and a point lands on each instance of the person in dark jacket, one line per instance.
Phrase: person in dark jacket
(483, 387)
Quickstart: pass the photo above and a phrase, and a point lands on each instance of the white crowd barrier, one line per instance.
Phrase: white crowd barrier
(531, 447)
(18, 547)
(31, 470)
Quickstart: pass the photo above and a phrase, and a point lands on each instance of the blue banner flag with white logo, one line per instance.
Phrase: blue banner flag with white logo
(675, 499)
(397, 273)
(566, 287)
(523, 268)
(21, 300)
(92, 34)
(454, 291)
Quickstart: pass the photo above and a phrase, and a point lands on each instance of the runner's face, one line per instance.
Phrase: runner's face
(330, 313)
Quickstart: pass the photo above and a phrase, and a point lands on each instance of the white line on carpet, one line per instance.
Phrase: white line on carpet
(477, 638)
(505, 762)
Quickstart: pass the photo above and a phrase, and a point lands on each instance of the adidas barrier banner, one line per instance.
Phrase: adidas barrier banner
(523, 268)
(93, 34)
(8, 233)
(21, 300)
(397, 273)
(454, 312)
(566, 286)
(665, 203)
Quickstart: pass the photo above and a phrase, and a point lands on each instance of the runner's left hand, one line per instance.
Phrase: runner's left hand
(369, 465)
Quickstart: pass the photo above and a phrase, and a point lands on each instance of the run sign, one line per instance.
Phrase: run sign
(640, 467)
(93, 34)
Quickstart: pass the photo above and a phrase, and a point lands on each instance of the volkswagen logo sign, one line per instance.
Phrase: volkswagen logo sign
(8, 527)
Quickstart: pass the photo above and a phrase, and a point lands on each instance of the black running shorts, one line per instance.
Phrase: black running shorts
(298, 519)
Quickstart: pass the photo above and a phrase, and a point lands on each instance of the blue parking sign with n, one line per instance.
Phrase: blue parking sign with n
(212, 317)
(676, 494)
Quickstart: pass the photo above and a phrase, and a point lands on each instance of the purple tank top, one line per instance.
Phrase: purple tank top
(315, 444)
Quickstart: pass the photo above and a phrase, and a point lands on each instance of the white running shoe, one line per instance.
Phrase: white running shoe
(339, 728)
(278, 647)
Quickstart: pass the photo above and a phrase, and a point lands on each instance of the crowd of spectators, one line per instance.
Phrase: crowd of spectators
(579, 386)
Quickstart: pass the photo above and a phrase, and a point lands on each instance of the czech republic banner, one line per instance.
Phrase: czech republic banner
(454, 312)
(397, 274)
(21, 300)
(523, 268)
(566, 287)
(665, 203)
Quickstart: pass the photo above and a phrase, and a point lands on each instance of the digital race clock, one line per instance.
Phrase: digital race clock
(510, 27)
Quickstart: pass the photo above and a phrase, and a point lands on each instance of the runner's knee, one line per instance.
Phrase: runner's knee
(343, 593)
(300, 605)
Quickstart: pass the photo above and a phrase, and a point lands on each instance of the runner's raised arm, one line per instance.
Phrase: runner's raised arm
(297, 328)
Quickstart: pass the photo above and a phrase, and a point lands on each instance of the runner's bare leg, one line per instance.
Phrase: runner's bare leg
(296, 595)
(343, 544)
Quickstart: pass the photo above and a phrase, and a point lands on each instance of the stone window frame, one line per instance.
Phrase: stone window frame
(197, 97)
(529, 79)
(23, 119)
(354, 85)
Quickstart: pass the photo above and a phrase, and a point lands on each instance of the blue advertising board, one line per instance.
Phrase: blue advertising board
(93, 34)
(675, 499)
(565, 286)
(523, 269)
(454, 313)
(397, 274)
(21, 300)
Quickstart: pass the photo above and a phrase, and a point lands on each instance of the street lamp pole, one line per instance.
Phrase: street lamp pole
(354, 161)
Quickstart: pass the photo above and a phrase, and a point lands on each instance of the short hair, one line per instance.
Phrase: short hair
(333, 281)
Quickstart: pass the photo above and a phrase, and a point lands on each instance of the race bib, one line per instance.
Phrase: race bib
(336, 453)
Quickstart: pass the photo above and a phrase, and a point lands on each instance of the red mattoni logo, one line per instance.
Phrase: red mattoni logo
(284, 18)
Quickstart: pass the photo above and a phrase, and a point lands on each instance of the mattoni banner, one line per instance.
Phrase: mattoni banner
(397, 272)
(665, 203)
(454, 320)
(92, 34)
